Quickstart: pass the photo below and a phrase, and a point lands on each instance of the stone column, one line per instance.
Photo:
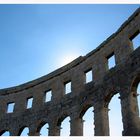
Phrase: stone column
(76, 125)
(131, 121)
(14, 132)
(54, 130)
(124, 47)
(33, 132)
(101, 119)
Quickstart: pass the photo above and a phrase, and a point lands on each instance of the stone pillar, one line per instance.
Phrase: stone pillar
(131, 121)
(101, 119)
(54, 130)
(76, 126)
(123, 49)
(33, 132)
(14, 132)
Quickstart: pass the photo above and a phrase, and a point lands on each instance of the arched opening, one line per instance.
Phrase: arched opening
(88, 118)
(115, 116)
(65, 127)
(24, 131)
(88, 127)
(138, 99)
(44, 129)
(5, 133)
(135, 89)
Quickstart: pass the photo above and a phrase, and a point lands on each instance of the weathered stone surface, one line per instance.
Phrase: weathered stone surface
(122, 79)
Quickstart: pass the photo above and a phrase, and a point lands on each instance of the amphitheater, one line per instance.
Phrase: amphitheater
(121, 79)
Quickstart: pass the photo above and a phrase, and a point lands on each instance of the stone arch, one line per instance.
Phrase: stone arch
(41, 125)
(84, 109)
(115, 123)
(85, 120)
(61, 119)
(22, 129)
(134, 83)
(138, 98)
(109, 93)
(133, 90)
(113, 94)
(129, 102)
(4, 131)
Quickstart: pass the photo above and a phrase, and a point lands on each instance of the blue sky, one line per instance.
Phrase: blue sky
(37, 39)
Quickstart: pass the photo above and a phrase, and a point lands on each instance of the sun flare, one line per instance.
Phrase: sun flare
(68, 58)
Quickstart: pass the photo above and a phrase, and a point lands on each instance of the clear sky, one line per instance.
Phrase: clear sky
(37, 39)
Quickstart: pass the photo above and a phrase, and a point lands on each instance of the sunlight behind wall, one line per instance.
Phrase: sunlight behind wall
(67, 59)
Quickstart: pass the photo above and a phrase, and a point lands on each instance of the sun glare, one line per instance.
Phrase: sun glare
(68, 58)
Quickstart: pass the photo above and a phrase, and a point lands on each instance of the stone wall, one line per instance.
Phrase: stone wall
(122, 79)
